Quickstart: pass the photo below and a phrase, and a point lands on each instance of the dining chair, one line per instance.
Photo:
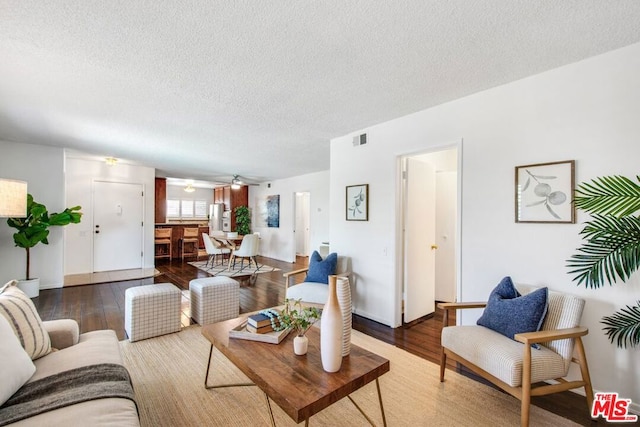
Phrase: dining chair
(248, 249)
(213, 249)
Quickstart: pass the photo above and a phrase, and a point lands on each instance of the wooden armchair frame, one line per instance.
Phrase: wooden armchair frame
(526, 390)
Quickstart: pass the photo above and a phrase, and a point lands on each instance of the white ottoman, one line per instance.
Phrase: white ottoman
(214, 299)
(151, 310)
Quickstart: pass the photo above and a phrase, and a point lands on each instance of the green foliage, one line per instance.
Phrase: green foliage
(610, 195)
(34, 228)
(611, 251)
(243, 220)
(624, 326)
(297, 317)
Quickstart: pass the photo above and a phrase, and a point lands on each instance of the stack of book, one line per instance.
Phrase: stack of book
(260, 323)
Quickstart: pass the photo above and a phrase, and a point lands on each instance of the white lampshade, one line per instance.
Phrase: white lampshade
(13, 198)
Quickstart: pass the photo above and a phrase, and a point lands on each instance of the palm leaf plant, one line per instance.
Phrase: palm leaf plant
(611, 250)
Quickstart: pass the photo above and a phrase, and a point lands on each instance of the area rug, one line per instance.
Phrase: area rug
(245, 270)
(168, 379)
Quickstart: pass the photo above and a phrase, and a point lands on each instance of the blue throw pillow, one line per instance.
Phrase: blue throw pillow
(509, 313)
(320, 269)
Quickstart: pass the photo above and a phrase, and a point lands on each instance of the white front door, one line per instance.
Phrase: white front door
(419, 237)
(117, 226)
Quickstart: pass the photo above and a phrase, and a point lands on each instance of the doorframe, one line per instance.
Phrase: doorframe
(307, 232)
(399, 222)
(144, 204)
(294, 231)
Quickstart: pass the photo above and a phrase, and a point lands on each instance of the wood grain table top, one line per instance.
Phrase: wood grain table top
(297, 384)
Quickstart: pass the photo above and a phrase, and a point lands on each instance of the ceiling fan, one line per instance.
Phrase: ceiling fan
(237, 182)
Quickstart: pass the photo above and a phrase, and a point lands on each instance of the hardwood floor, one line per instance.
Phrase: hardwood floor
(102, 307)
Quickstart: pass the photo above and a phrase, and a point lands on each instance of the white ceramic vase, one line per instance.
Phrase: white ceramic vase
(300, 345)
(331, 325)
(343, 289)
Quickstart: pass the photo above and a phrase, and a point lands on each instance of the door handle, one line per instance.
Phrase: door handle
(433, 247)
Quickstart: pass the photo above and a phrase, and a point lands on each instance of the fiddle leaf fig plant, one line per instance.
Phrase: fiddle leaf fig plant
(34, 228)
(611, 250)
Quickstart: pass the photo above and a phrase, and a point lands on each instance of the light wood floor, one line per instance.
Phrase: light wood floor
(101, 306)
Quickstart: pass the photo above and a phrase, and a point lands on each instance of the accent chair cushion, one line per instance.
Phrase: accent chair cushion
(16, 367)
(320, 269)
(25, 321)
(509, 313)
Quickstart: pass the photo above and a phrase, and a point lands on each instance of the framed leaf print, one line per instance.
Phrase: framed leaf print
(358, 202)
(544, 192)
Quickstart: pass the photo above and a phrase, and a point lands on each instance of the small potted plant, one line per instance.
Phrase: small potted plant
(299, 319)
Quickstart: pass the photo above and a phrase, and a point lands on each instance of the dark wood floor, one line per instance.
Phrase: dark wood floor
(102, 307)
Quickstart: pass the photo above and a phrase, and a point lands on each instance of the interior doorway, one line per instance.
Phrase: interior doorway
(302, 221)
(117, 226)
(430, 222)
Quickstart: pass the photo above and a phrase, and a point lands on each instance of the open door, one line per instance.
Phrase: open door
(419, 239)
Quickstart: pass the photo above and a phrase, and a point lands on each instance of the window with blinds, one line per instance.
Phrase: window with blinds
(187, 209)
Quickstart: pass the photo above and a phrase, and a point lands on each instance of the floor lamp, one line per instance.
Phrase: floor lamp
(13, 204)
(13, 198)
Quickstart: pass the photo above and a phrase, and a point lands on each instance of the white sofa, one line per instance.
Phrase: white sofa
(74, 350)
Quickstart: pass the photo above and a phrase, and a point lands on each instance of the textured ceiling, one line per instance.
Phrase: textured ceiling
(200, 89)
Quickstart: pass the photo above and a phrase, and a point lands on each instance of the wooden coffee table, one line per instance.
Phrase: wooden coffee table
(297, 384)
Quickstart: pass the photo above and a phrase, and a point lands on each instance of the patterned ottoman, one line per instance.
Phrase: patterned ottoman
(214, 299)
(151, 310)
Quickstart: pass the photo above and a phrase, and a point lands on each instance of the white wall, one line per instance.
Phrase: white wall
(587, 111)
(42, 168)
(80, 174)
(279, 243)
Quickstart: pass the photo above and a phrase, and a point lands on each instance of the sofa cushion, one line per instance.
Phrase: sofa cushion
(320, 269)
(23, 317)
(16, 366)
(509, 313)
(93, 348)
(310, 292)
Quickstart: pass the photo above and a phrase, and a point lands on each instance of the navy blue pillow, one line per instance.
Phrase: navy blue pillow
(320, 269)
(509, 313)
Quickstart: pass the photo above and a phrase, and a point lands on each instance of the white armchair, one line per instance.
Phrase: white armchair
(313, 292)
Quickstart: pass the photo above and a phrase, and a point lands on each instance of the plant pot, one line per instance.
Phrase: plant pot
(300, 345)
(30, 287)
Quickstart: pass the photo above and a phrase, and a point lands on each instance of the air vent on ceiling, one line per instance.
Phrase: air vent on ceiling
(360, 139)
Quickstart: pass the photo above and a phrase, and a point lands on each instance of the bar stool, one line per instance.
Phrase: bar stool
(189, 236)
(163, 242)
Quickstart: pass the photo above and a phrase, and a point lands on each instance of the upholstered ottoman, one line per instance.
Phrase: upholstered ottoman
(151, 310)
(214, 299)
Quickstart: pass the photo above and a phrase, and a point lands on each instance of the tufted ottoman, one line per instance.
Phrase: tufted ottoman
(214, 299)
(151, 310)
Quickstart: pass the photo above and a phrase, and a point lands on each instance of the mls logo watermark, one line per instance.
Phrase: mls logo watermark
(612, 408)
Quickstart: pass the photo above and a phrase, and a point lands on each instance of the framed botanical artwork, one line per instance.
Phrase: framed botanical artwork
(358, 202)
(544, 192)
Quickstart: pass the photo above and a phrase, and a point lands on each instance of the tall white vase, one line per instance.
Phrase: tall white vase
(343, 289)
(331, 331)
